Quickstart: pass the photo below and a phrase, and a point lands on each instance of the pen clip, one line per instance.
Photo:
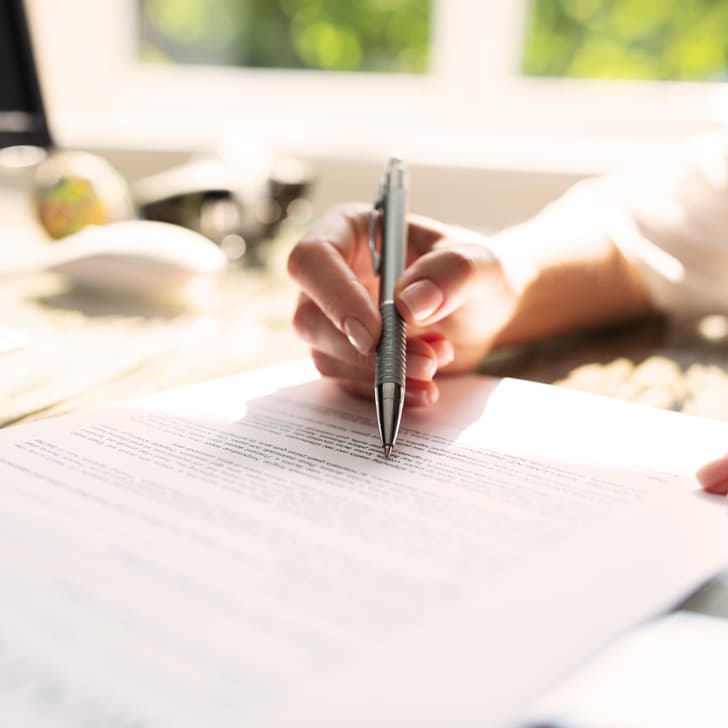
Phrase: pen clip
(374, 217)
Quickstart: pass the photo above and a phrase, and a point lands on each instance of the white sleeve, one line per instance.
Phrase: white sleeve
(671, 222)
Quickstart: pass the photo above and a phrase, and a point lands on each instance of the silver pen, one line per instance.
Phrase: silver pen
(390, 209)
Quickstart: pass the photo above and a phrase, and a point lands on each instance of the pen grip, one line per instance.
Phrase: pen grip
(392, 350)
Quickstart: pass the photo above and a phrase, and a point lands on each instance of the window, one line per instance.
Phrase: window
(381, 36)
(663, 40)
(439, 79)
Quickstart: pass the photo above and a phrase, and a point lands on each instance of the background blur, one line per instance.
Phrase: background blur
(665, 40)
(498, 104)
(382, 37)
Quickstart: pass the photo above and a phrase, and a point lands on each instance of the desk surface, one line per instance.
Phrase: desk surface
(84, 350)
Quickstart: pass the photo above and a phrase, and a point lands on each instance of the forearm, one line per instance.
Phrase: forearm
(566, 272)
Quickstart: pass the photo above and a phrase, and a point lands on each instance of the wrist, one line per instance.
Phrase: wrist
(565, 272)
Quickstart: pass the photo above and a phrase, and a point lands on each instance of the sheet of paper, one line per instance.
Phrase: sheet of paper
(669, 673)
(239, 552)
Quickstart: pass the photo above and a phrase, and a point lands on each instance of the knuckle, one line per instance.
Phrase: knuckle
(352, 211)
(355, 215)
(301, 257)
(303, 319)
(322, 363)
(322, 238)
(458, 264)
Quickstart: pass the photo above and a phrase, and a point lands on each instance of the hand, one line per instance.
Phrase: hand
(453, 295)
(714, 476)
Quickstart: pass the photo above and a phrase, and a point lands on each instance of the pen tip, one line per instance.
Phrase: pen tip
(387, 450)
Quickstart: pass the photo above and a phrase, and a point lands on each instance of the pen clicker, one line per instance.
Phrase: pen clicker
(389, 216)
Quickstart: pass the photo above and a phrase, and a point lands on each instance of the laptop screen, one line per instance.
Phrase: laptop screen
(22, 116)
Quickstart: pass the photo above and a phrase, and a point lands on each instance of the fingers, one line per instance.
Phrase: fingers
(442, 347)
(332, 266)
(312, 325)
(418, 394)
(425, 354)
(420, 367)
(335, 359)
(337, 315)
(714, 476)
(325, 264)
(441, 281)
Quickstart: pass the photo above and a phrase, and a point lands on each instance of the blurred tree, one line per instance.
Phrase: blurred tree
(368, 35)
(676, 40)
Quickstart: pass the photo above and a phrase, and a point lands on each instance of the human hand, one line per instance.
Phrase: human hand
(453, 295)
(714, 476)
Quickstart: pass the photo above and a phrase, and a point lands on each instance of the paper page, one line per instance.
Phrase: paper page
(239, 552)
(669, 673)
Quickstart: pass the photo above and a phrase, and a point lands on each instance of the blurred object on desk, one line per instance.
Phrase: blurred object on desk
(84, 350)
(139, 258)
(23, 241)
(290, 188)
(238, 198)
(682, 366)
(23, 120)
(20, 157)
(128, 258)
(74, 189)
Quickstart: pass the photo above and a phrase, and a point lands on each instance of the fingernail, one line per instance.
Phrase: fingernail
(422, 298)
(358, 335)
(421, 367)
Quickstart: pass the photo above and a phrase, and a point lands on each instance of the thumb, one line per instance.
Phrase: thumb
(441, 281)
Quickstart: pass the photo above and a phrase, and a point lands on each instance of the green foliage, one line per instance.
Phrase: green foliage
(331, 35)
(680, 40)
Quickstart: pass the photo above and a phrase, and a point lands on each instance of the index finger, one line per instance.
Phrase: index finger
(325, 263)
(331, 260)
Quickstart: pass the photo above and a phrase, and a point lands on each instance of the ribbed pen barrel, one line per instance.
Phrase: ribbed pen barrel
(390, 375)
(392, 349)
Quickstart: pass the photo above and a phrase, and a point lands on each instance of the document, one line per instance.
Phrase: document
(667, 673)
(239, 553)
